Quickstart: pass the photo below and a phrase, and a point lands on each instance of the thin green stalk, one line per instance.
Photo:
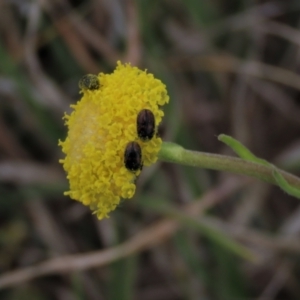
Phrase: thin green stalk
(174, 153)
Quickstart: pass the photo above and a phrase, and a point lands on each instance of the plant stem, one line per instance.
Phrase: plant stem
(174, 153)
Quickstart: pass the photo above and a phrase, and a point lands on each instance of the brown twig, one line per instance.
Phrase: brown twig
(145, 239)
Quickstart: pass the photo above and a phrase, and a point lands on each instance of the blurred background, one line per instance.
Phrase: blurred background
(230, 67)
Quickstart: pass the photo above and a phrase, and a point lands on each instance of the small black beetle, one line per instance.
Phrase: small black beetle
(89, 82)
(145, 124)
(133, 157)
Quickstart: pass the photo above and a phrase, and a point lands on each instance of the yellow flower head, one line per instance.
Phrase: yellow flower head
(101, 127)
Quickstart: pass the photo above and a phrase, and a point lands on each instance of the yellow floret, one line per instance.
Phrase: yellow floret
(99, 128)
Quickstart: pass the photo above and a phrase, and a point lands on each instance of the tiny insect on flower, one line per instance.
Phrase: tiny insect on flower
(133, 157)
(145, 124)
(102, 154)
(89, 82)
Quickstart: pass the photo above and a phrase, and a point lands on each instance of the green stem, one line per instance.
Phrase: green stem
(174, 153)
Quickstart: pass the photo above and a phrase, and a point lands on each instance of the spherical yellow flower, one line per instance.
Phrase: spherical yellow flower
(100, 127)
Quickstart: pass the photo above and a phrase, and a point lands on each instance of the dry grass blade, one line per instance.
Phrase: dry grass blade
(224, 63)
(249, 18)
(281, 30)
(72, 39)
(145, 239)
(52, 96)
(277, 98)
(271, 244)
(75, 30)
(26, 173)
(134, 50)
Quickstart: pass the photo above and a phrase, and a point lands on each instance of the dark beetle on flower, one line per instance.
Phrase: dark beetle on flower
(133, 157)
(145, 124)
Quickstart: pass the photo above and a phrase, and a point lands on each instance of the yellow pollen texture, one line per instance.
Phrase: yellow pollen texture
(100, 126)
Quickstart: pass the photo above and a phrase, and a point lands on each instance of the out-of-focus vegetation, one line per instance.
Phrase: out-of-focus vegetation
(230, 67)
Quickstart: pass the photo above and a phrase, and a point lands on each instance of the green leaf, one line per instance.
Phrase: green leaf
(246, 154)
(241, 150)
(284, 185)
